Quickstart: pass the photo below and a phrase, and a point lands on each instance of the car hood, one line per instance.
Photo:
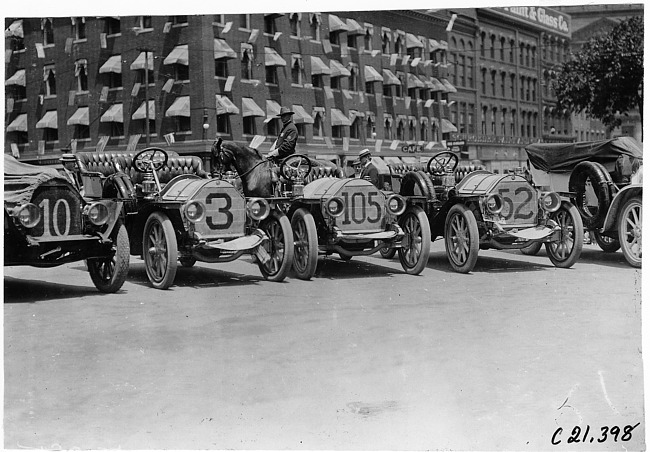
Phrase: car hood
(22, 179)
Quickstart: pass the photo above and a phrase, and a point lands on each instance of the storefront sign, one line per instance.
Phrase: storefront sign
(412, 148)
(546, 18)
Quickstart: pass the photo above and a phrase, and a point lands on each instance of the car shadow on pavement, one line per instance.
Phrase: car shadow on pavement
(489, 264)
(594, 255)
(17, 290)
(335, 268)
(195, 277)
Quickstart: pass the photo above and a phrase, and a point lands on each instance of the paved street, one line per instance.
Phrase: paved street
(361, 357)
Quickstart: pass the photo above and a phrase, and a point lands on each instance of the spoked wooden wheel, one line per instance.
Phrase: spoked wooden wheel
(160, 250)
(565, 252)
(629, 231)
(305, 253)
(414, 255)
(279, 247)
(461, 238)
(108, 274)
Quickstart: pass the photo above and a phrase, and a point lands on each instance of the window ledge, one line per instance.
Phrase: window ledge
(183, 132)
(250, 81)
(117, 88)
(184, 24)
(80, 40)
(114, 35)
(48, 46)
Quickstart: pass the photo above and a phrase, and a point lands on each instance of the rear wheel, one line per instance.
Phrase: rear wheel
(279, 247)
(108, 274)
(305, 255)
(565, 252)
(415, 254)
(532, 249)
(607, 244)
(629, 230)
(160, 250)
(461, 238)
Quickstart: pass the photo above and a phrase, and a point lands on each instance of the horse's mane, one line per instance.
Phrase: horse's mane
(236, 147)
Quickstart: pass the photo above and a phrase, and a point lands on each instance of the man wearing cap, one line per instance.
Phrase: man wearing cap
(285, 145)
(368, 170)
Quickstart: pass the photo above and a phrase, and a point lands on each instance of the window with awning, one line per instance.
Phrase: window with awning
(413, 81)
(19, 124)
(390, 78)
(371, 75)
(225, 106)
(48, 121)
(139, 62)
(447, 127)
(178, 55)
(318, 67)
(336, 24)
(433, 45)
(338, 70)
(113, 64)
(412, 41)
(338, 118)
(272, 109)
(427, 83)
(437, 85)
(353, 27)
(80, 117)
(448, 86)
(17, 79)
(301, 116)
(141, 112)
(180, 107)
(223, 50)
(271, 58)
(115, 113)
(250, 108)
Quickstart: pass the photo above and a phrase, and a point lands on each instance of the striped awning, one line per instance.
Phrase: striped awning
(139, 62)
(433, 45)
(223, 50)
(178, 55)
(115, 113)
(180, 107)
(412, 41)
(354, 28)
(390, 78)
(80, 117)
(141, 112)
(338, 118)
(271, 58)
(336, 24)
(19, 124)
(225, 106)
(250, 108)
(17, 79)
(447, 127)
(448, 86)
(338, 70)
(414, 81)
(371, 74)
(427, 83)
(437, 85)
(318, 67)
(48, 121)
(301, 116)
(113, 64)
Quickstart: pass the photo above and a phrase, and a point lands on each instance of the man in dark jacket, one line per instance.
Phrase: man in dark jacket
(285, 145)
(368, 170)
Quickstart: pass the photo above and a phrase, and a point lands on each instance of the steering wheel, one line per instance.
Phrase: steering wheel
(297, 165)
(441, 161)
(150, 159)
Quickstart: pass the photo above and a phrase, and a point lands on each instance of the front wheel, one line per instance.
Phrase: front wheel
(108, 274)
(565, 252)
(461, 238)
(607, 244)
(160, 250)
(279, 247)
(305, 236)
(415, 254)
(629, 230)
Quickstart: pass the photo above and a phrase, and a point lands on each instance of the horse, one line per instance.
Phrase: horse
(258, 175)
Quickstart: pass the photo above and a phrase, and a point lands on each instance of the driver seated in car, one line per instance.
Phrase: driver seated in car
(285, 145)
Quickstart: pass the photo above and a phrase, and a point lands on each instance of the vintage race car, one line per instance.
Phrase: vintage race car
(48, 223)
(350, 217)
(604, 180)
(176, 212)
(485, 210)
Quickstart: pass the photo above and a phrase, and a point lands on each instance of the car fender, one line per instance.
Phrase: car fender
(115, 209)
(621, 197)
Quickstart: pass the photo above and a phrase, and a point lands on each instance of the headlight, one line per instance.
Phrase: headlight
(97, 213)
(550, 201)
(194, 211)
(258, 208)
(29, 215)
(334, 207)
(494, 203)
(396, 204)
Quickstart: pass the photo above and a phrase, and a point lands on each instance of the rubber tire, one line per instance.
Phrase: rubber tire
(607, 244)
(415, 256)
(532, 249)
(163, 276)
(429, 184)
(419, 179)
(573, 235)
(461, 219)
(630, 222)
(388, 253)
(278, 228)
(600, 180)
(345, 258)
(109, 274)
(305, 242)
(187, 262)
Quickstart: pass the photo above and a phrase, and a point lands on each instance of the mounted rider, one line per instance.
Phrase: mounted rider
(285, 145)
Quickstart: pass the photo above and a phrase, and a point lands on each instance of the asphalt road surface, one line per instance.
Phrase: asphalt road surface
(515, 355)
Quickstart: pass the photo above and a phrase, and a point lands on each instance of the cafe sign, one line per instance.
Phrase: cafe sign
(545, 18)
